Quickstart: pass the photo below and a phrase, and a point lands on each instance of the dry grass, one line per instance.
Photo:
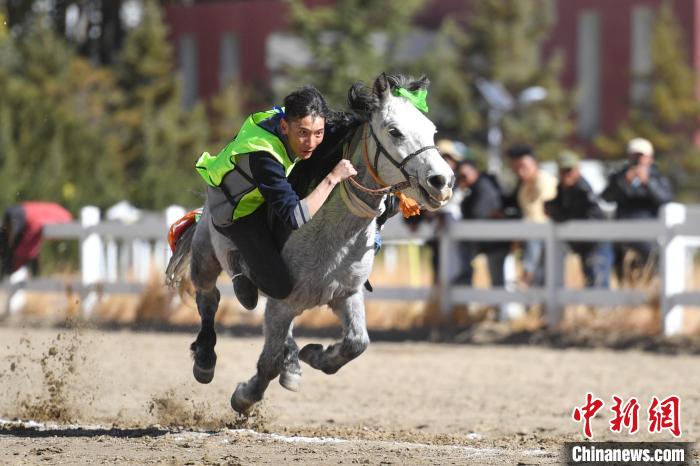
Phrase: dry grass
(405, 266)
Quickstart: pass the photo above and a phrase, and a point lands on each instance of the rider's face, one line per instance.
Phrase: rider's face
(303, 134)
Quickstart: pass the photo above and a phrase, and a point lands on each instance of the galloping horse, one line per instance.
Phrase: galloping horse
(330, 257)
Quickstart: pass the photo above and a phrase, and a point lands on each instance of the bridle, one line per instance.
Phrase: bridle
(410, 181)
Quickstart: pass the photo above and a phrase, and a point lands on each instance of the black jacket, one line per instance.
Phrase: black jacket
(484, 200)
(638, 200)
(576, 202)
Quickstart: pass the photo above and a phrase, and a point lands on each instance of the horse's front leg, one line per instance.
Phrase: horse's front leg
(290, 378)
(351, 312)
(278, 318)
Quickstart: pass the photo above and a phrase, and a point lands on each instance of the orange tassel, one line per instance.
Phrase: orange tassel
(409, 207)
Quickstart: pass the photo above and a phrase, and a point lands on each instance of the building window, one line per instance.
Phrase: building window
(187, 51)
(588, 73)
(640, 57)
(229, 59)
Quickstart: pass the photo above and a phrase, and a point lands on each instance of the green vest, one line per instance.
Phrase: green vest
(250, 139)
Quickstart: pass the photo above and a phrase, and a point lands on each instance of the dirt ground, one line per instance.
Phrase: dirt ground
(96, 397)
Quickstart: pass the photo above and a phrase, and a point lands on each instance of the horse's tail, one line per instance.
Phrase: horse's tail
(177, 274)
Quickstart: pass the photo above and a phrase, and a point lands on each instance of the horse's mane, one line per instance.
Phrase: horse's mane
(363, 100)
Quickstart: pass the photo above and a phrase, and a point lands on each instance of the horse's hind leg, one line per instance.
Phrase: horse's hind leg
(205, 269)
(351, 312)
(290, 378)
(278, 318)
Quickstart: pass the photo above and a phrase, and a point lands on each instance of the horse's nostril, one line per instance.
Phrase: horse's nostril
(437, 181)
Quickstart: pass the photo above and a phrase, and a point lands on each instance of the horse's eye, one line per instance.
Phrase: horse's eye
(394, 132)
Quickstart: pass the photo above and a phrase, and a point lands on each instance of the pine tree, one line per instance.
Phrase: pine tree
(669, 115)
(55, 139)
(500, 41)
(162, 140)
(342, 40)
(226, 113)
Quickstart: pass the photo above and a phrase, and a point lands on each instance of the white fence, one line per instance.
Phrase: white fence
(119, 258)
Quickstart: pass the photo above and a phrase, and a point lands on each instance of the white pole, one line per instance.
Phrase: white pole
(673, 268)
(91, 259)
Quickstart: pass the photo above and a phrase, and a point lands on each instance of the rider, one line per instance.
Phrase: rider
(249, 185)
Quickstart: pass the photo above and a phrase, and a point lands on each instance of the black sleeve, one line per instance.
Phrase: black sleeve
(270, 179)
(490, 201)
(659, 189)
(553, 207)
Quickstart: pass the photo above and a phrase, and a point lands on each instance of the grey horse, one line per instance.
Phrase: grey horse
(330, 257)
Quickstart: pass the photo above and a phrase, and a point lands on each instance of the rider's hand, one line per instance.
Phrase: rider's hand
(342, 171)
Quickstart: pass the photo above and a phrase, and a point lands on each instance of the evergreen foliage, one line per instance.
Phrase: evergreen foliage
(161, 139)
(352, 40)
(56, 141)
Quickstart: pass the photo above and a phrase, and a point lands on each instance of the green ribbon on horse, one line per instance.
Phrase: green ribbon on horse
(417, 97)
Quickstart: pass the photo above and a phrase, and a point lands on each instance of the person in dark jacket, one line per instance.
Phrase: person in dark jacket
(576, 200)
(639, 191)
(483, 200)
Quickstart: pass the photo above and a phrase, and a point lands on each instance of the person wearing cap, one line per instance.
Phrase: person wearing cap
(639, 190)
(453, 152)
(576, 200)
(535, 187)
(482, 200)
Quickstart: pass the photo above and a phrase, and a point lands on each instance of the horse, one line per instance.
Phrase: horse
(329, 258)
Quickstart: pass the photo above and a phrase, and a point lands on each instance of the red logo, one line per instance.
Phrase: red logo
(625, 416)
(586, 412)
(665, 414)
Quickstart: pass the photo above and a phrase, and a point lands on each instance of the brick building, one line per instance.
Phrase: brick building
(605, 43)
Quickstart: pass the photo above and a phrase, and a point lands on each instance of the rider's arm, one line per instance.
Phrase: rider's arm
(318, 196)
(269, 176)
(277, 191)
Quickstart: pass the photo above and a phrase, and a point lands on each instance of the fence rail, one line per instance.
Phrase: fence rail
(109, 250)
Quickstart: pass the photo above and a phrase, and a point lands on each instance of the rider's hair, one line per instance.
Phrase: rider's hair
(306, 101)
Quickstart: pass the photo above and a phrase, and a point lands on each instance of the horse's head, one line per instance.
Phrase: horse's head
(401, 139)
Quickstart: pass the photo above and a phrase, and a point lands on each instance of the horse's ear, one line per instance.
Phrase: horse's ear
(421, 83)
(381, 86)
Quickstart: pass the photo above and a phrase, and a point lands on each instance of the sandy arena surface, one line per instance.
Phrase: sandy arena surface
(100, 397)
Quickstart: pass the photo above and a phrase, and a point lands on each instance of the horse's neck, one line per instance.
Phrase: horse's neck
(335, 214)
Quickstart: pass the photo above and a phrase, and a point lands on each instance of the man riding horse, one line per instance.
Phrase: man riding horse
(248, 183)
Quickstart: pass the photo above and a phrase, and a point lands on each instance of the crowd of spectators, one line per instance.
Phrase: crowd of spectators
(637, 190)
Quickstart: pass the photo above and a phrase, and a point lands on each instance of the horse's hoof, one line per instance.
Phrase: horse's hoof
(203, 375)
(239, 402)
(204, 364)
(291, 380)
(308, 351)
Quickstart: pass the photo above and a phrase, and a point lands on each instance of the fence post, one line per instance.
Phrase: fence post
(444, 250)
(91, 259)
(673, 268)
(162, 252)
(16, 296)
(554, 271)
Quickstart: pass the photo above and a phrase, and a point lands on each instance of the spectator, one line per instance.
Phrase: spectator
(535, 187)
(639, 191)
(482, 200)
(453, 152)
(576, 200)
